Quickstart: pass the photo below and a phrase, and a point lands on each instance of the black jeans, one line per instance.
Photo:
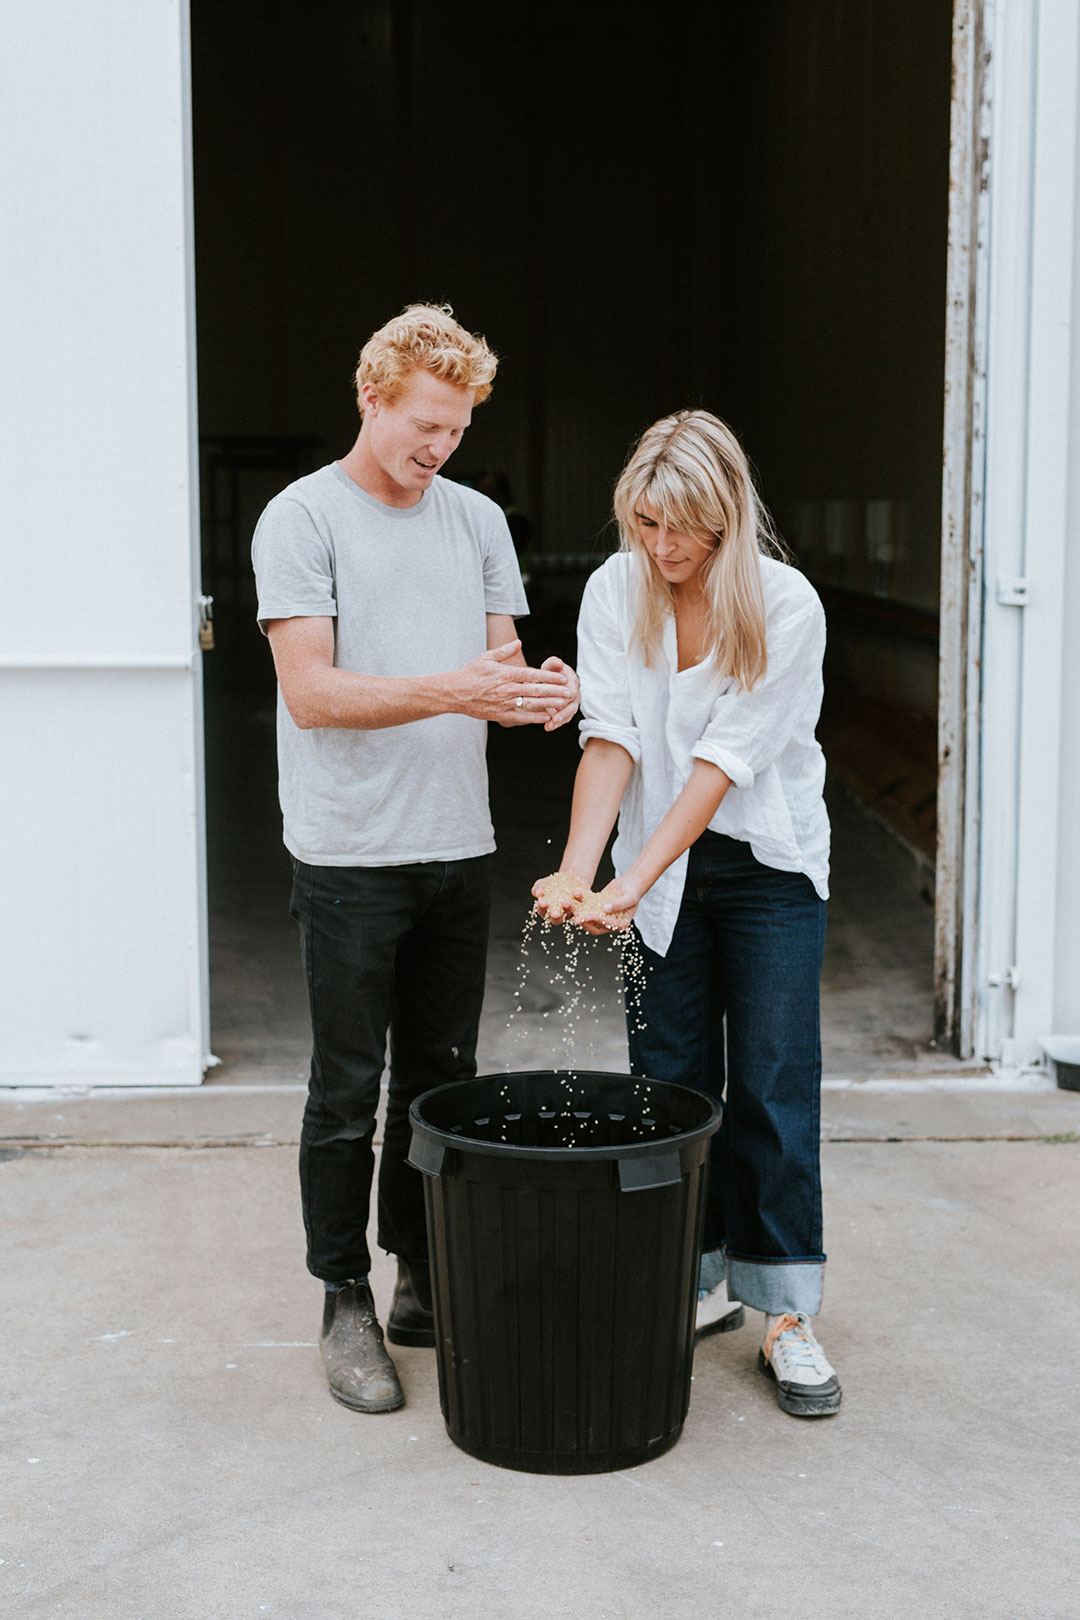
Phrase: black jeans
(398, 948)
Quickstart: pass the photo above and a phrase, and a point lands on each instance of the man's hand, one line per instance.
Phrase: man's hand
(494, 687)
(568, 711)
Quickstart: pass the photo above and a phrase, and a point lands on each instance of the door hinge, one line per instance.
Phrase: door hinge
(1012, 590)
(1010, 977)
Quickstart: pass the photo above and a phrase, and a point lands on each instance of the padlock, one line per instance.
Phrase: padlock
(206, 623)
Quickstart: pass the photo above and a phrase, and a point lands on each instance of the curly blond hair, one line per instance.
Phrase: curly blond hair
(425, 337)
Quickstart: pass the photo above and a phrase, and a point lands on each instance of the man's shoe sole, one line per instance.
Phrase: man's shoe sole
(723, 1324)
(370, 1407)
(808, 1402)
(421, 1337)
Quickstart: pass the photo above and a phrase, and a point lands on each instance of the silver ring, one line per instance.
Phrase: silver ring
(518, 702)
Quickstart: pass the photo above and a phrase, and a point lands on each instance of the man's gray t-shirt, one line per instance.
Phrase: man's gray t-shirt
(409, 590)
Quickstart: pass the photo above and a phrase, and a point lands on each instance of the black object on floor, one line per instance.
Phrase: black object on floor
(564, 1222)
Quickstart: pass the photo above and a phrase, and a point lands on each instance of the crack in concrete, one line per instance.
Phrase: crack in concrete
(35, 1144)
(12, 1147)
(1004, 1136)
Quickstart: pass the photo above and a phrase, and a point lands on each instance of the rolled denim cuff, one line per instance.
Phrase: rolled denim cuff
(789, 1285)
(713, 1270)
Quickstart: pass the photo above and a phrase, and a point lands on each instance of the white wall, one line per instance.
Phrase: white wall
(1029, 937)
(102, 933)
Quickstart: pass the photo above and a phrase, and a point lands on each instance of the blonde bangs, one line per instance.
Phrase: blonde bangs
(667, 499)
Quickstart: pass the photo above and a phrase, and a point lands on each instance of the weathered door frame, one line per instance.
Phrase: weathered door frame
(1008, 501)
(959, 692)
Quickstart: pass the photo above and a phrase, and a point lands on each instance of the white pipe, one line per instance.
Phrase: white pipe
(97, 661)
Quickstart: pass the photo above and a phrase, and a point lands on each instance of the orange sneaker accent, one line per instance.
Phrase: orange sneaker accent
(781, 1325)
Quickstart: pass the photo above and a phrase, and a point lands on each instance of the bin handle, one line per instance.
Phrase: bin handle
(426, 1155)
(653, 1170)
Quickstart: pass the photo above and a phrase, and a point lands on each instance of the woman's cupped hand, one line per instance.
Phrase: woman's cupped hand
(565, 897)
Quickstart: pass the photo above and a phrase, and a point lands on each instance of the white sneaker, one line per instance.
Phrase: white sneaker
(806, 1383)
(716, 1313)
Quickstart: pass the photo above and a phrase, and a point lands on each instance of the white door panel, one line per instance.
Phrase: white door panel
(102, 931)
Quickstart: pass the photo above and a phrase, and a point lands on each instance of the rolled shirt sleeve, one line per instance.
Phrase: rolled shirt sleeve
(748, 731)
(606, 706)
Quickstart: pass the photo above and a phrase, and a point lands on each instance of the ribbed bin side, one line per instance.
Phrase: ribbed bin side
(565, 1343)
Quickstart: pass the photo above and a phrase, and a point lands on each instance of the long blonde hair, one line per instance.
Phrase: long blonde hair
(691, 472)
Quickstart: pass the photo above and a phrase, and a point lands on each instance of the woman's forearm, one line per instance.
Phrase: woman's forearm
(599, 785)
(684, 823)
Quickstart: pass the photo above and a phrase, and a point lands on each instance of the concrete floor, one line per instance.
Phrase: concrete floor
(170, 1448)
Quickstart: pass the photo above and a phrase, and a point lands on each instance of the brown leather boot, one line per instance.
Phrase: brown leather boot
(411, 1319)
(359, 1370)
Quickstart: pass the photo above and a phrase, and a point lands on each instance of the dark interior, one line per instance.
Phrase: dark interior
(739, 206)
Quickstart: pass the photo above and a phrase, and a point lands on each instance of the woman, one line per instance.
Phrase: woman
(700, 663)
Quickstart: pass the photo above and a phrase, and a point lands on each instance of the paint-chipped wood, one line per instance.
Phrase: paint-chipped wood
(961, 537)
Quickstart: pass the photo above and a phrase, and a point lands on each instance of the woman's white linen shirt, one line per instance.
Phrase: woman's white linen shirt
(666, 718)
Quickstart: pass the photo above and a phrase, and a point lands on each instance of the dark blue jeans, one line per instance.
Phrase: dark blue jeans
(735, 1004)
(398, 948)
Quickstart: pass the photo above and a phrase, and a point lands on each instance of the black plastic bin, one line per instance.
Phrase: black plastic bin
(564, 1217)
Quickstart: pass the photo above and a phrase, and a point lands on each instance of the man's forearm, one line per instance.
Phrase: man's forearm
(345, 700)
(493, 686)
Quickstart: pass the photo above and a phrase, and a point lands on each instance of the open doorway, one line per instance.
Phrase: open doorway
(730, 205)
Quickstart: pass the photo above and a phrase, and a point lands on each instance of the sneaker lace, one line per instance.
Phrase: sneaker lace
(799, 1342)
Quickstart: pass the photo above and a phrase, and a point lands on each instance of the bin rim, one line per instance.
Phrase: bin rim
(630, 1150)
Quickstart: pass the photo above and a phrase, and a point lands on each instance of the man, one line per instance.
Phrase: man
(388, 595)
